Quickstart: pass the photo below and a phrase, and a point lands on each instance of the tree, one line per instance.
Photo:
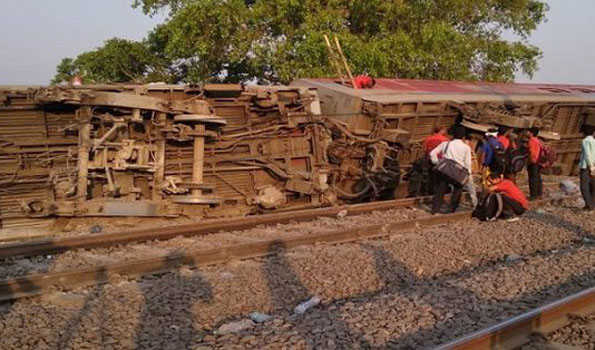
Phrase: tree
(117, 61)
(280, 40)
(65, 71)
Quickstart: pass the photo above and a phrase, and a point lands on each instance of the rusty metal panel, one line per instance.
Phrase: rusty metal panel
(130, 208)
(590, 120)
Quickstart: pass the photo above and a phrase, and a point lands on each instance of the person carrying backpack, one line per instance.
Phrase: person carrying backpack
(516, 161)
(454, 169)
(517, 154)
(439, 136)
(492, 152)
(533, 167)
(504, 200)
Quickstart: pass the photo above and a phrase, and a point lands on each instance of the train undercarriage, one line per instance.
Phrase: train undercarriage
(231, 150)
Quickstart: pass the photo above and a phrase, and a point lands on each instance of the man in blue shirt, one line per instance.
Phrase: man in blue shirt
(490, 149)
(587, 171)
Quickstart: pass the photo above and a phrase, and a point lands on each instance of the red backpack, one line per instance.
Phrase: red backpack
(547, 156)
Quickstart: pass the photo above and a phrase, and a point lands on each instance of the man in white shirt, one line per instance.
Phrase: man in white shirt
(587, 171)
(458, 151)
(470, 185)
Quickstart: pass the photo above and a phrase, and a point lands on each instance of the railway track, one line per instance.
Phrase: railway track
(37, 284)
(40, 283)
(51, 246)
(59, 245)
(516, 332)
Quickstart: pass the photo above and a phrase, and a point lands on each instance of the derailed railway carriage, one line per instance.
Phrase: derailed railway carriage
(562, 112)
(231, 150)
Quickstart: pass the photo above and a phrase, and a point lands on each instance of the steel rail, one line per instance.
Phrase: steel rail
(516, 332)
(37, 284)
(52, 246)
(59, 245)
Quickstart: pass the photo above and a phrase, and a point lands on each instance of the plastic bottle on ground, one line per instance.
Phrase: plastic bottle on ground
(303, 307)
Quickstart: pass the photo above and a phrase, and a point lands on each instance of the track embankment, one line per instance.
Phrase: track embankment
(36, 284)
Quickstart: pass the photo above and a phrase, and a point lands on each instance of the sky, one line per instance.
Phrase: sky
(567, 40)
(37, 34)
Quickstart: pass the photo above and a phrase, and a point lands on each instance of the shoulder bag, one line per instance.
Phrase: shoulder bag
(451, 169)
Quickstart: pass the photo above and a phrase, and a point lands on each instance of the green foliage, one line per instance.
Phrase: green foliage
(281, 40)
(117, 61)
(65, 71)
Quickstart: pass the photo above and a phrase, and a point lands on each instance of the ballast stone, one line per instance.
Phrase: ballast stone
(235, 327)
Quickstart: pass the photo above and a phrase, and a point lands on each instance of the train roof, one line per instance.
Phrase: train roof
(408, 90)
(462, 87)
(389, 91)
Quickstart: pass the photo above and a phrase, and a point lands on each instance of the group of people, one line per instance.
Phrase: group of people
(501, 157)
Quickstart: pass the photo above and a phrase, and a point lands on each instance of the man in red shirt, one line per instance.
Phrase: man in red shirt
(514, 202)
(429, 144)
(504, 136)
(435, 139)
(533, 168)
(363, 82)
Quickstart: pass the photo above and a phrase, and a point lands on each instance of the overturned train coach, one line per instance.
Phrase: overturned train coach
(230, 150)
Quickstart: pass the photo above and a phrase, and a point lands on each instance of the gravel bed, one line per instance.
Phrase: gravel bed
(102, 256)
(412, 290)
(580, 334)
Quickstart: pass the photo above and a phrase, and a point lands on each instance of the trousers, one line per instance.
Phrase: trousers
(488, 209)
(442, 188)
(470, 188)
(432, 180)
(535, 182)
(587, 188)
(511, 208)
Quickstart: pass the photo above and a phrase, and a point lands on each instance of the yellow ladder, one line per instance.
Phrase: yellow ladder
(338, 61)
